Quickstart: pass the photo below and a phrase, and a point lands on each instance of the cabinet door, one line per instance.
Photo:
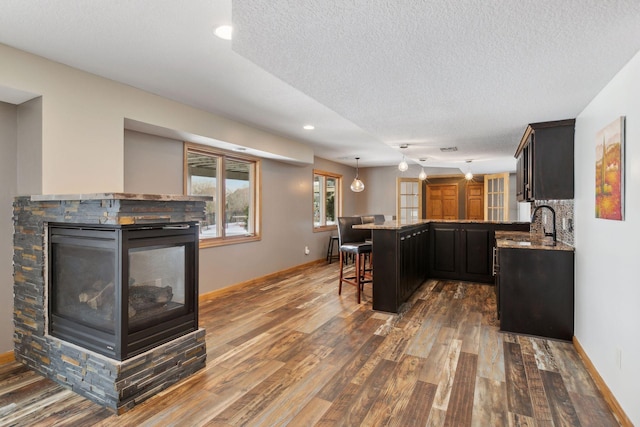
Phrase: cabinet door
(444, 251)
(476, 247)
(520, 179)
(536, 292)
(552, 163)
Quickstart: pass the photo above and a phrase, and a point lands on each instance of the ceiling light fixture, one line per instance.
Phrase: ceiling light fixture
(357, 186)
(308, 127)
(403, 166)
(224, 32)
(422, 175)
(468, 176)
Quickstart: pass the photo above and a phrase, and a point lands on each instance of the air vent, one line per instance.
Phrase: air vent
(449, 149)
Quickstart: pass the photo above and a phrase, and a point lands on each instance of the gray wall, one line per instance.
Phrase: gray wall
(8, 188)
(150, 164)
(29, 150)
(380, 187)
(154, 165)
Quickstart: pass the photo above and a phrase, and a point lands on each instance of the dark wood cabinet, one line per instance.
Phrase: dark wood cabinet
(400, 261)
(536, 291)
(544, 168)
(463, 251)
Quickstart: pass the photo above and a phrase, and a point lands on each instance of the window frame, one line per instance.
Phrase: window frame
(255, 186)
(338, 199)
(399, 200)
(489, 207)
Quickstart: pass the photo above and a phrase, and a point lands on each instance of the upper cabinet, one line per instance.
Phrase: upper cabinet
(545, 161)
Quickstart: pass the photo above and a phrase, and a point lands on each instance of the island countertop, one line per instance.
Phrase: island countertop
(399, 225)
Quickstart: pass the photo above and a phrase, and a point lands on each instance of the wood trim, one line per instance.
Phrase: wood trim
(232, 288)
(7, 357)
(608, 397)
(339, 199)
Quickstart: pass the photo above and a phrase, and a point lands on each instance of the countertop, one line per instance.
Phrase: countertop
(398, 225)
(121, 196)
(526, 240)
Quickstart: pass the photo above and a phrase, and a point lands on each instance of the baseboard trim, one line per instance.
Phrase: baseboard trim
(611, 400)
(7, 357)
(231, 288)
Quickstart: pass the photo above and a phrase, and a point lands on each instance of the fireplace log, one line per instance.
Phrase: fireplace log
(96, 298)
(145, 296)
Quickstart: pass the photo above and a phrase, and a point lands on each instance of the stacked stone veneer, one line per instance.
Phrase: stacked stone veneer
(118, 385)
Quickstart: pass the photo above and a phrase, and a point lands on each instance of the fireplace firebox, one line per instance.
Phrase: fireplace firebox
(120, 290)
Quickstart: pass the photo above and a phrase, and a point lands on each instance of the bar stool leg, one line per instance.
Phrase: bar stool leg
(358, 274)
(341, 273)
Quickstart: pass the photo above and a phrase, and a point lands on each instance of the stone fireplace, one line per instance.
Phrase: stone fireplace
(105, 292)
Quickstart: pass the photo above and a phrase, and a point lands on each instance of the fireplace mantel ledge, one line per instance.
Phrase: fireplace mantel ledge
(121, 196)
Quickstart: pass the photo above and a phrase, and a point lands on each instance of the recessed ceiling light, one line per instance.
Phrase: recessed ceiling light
(308, 127)
(224, 32)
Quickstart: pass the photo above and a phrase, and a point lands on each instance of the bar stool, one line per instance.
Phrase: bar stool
(330, 255)
(353, 242)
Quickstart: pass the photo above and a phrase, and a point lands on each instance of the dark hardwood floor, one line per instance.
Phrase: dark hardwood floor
(290, 351)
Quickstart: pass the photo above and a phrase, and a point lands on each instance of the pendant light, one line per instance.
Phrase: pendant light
(403, 166)
(422, 175)
(468, 176)
(357, 186)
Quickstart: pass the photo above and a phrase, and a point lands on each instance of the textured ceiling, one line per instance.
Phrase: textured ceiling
(370, 75)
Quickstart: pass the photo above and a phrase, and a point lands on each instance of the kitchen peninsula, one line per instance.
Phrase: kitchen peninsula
(407, 254)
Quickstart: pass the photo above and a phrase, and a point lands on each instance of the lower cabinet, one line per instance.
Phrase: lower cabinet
(400, 265)
(464, 251)
(536, 291)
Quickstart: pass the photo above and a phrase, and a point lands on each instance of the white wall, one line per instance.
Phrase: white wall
(8, 188)
(607, 310)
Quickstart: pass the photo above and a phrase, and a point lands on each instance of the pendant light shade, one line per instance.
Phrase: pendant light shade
(468, 176)
(422, 175)
(403, 166)
(357, 186)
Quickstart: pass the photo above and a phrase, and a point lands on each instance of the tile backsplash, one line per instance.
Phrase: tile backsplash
(564, 219)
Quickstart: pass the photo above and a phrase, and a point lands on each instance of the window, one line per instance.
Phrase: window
(233, 182)
(496, 188)
(409, 200)
(327, 199)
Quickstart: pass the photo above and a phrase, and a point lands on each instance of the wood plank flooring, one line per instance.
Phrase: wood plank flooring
(290, 351)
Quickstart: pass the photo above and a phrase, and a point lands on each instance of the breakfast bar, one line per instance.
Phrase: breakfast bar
(407, 254)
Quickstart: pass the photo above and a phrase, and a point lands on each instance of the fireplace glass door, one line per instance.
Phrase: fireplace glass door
(156, 285)
(122, 290)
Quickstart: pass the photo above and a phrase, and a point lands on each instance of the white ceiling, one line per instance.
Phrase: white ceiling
(369, 74)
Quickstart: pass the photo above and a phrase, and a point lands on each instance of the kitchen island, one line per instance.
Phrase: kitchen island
(407, 254)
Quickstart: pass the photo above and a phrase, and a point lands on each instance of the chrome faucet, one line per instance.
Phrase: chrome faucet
(553, 221)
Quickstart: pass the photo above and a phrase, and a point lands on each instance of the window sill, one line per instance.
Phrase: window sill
(325, 228)
(213, 242)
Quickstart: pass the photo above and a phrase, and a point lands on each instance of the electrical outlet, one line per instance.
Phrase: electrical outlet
(306, 250)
